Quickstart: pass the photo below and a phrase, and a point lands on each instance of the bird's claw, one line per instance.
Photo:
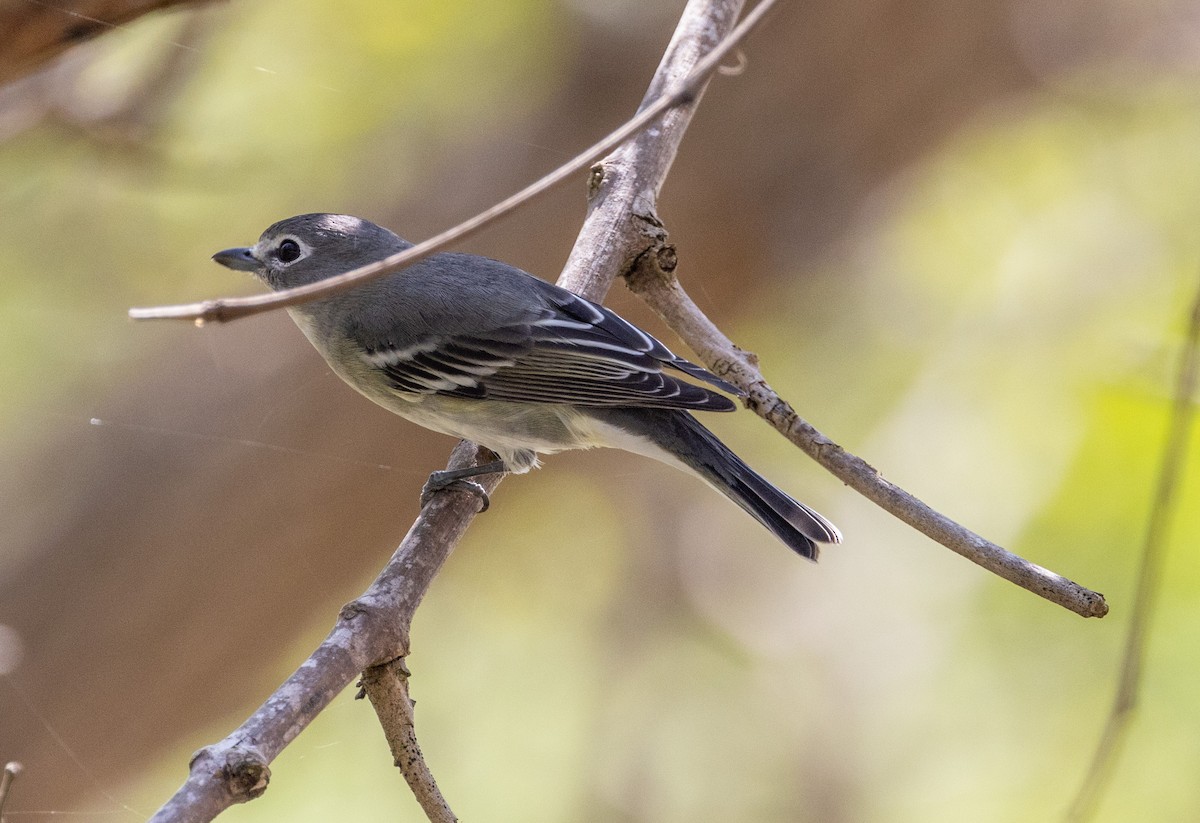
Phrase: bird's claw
(436, 483)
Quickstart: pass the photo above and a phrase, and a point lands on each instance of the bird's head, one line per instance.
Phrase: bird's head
(312, 247)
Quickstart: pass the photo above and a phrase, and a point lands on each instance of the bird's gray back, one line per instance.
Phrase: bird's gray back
(444, 295)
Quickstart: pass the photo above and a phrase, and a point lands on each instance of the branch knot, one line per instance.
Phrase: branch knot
(246, 774)
(595, 180)
(362, 617)
(240, 770)
(667, 258)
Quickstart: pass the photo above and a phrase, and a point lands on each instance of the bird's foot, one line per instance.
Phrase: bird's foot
(457, 479)
(433, 485)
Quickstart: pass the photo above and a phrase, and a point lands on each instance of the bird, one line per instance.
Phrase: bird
(481, 350)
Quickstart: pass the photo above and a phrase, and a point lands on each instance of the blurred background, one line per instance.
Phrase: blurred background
(961, 237)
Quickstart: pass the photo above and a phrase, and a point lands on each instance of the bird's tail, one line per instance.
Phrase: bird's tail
(678, 438)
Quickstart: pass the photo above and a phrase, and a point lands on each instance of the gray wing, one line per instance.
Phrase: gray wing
(569, 351)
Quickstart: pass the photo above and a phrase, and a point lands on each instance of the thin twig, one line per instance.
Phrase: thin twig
(1174, 460)
(11, 770)
(655, 282)
(387, 688)
(684, 93)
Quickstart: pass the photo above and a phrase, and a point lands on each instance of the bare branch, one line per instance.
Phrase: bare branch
(624, 187)
(655, 282)
(387, 688)
(1174, 460)
(681, 94)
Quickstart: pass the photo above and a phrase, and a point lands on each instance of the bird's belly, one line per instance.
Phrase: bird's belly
(520, 425)
(516, 432)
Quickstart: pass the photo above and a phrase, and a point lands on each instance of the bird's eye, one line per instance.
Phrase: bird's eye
(288, 251)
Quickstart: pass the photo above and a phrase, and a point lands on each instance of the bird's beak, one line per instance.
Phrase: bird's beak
(241, 259)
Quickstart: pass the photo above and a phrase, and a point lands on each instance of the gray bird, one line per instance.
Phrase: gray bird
(480, 350)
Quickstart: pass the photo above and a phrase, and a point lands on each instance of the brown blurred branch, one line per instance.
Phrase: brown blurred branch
(371, 633)
(1174, 460)
(11, 770)
(127, 120)
(144, 109)
(32, 32)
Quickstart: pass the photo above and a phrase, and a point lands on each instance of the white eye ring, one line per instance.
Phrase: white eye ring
(288, 251)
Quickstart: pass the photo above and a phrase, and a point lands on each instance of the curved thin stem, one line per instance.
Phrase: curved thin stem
(223, 310)
(1174, 459)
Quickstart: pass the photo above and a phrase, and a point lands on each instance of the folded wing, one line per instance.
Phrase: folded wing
(572, 351)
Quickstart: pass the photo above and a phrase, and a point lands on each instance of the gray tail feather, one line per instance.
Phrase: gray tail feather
(795, 524)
